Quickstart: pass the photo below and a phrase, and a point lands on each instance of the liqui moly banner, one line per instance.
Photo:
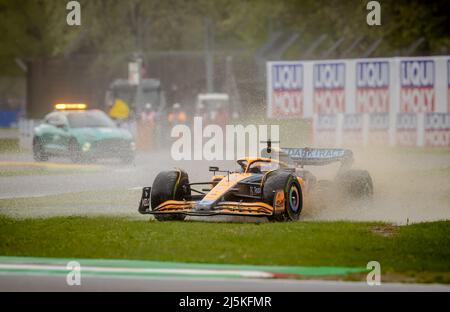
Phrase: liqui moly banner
(326, 123)
(286, 90)
(417, 81)
(388, 85)
(372, 87)
(378, 134)
(437, 130)
(352, 127)
(325, 127)
(329, 88)
(393, 94)
(406, 129)
(379, 122)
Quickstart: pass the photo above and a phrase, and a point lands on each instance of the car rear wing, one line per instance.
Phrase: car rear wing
(318, 156)
(310, 156)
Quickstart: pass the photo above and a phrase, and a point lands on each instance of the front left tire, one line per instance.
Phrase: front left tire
(357, 184)
(169, 185)
(288, 182)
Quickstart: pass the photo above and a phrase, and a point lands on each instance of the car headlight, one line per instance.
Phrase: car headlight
(86, 146)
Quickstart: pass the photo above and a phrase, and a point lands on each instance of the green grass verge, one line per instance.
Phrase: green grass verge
(109, 197)
(419, 251)
(9, 146)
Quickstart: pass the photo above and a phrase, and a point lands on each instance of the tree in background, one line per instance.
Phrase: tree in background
(38, 29)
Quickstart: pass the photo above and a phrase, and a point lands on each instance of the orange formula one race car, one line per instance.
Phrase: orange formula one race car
(267, 186)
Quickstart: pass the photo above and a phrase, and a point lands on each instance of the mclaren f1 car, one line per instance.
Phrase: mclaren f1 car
(274, 185)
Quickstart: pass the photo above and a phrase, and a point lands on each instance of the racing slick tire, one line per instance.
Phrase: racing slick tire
(284, 180)
(169, 185)
(38, 150)
(357, 184)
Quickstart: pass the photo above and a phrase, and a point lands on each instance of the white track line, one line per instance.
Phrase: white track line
(205, 272)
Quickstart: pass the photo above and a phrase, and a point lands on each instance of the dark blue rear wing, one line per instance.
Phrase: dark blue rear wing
(309, 156)
(319, 156)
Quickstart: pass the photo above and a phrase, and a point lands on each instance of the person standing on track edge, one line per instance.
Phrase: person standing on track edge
(177, 116)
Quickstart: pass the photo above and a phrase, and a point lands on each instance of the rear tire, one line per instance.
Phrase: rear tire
(323, 194)
(355, 183)
(286, 181)
(169, 185)
(38, 150)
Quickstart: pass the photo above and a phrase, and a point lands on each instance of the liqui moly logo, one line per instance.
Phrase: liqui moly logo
(437, 129)
(437, 121)
(287, 91)
(379, 121)
(352, 122)
(417, 79)
(406, 126)
(329, 88)
(406, 122)
(352, 129)
(325, 127)
(326, 123)
(378, 129)
(372, 87)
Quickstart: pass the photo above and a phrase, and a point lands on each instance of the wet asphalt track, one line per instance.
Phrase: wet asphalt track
(113, 176)
(58, 283)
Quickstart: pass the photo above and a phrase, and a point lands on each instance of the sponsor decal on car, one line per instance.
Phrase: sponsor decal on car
(306, 153)
(278, 204)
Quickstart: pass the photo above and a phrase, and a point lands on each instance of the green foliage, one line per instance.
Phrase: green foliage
(31, 29)
(37, 28)
(9, 146)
